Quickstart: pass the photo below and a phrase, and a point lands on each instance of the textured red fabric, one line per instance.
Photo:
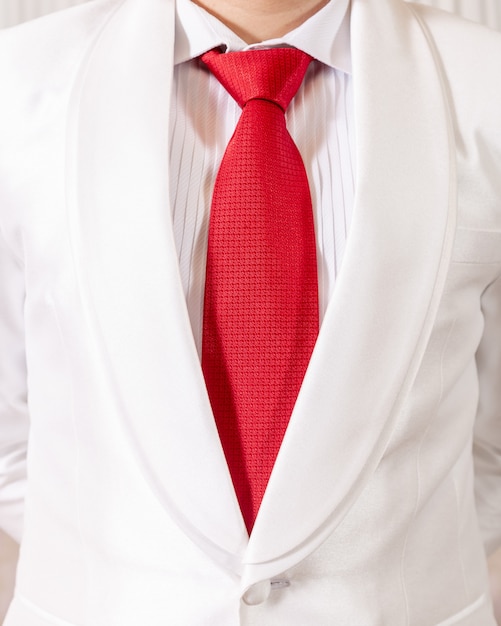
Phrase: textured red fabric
(261, 294)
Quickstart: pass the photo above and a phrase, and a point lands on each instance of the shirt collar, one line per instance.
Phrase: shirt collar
(325, 36)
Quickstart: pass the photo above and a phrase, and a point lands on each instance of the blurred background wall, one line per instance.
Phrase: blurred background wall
(486, 12)
(15, 11)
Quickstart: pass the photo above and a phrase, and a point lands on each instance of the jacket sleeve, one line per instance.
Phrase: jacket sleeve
(14, 420)
(487, 439)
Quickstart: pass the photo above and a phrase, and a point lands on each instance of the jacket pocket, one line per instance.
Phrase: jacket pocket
(468, 611)
(22, 612)
(477, 246)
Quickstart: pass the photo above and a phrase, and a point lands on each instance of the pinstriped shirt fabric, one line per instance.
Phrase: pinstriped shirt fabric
(204, 116)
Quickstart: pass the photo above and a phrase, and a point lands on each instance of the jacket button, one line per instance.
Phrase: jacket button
(257, 593)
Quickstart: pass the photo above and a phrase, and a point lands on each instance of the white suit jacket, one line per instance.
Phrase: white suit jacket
(371, 516)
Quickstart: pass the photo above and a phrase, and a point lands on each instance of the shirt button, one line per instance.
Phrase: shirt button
(257, 593)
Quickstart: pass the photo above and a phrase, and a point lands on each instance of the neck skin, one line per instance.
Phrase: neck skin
(258, 20)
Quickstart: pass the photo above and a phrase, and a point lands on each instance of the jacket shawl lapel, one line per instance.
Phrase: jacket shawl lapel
(378, 322)
(381, 314)
(129, 278)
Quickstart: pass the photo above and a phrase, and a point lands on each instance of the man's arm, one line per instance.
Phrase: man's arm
(487, 441)
(8, 559)
(14, 420)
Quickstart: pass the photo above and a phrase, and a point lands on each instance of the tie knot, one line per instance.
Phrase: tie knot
(273, 74)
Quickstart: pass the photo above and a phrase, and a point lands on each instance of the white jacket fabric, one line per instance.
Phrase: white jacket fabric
(387, 489)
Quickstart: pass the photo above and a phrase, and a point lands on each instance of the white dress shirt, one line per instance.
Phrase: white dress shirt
(204, 116)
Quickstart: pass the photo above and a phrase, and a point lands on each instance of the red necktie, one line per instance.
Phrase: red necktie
(261, 293)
